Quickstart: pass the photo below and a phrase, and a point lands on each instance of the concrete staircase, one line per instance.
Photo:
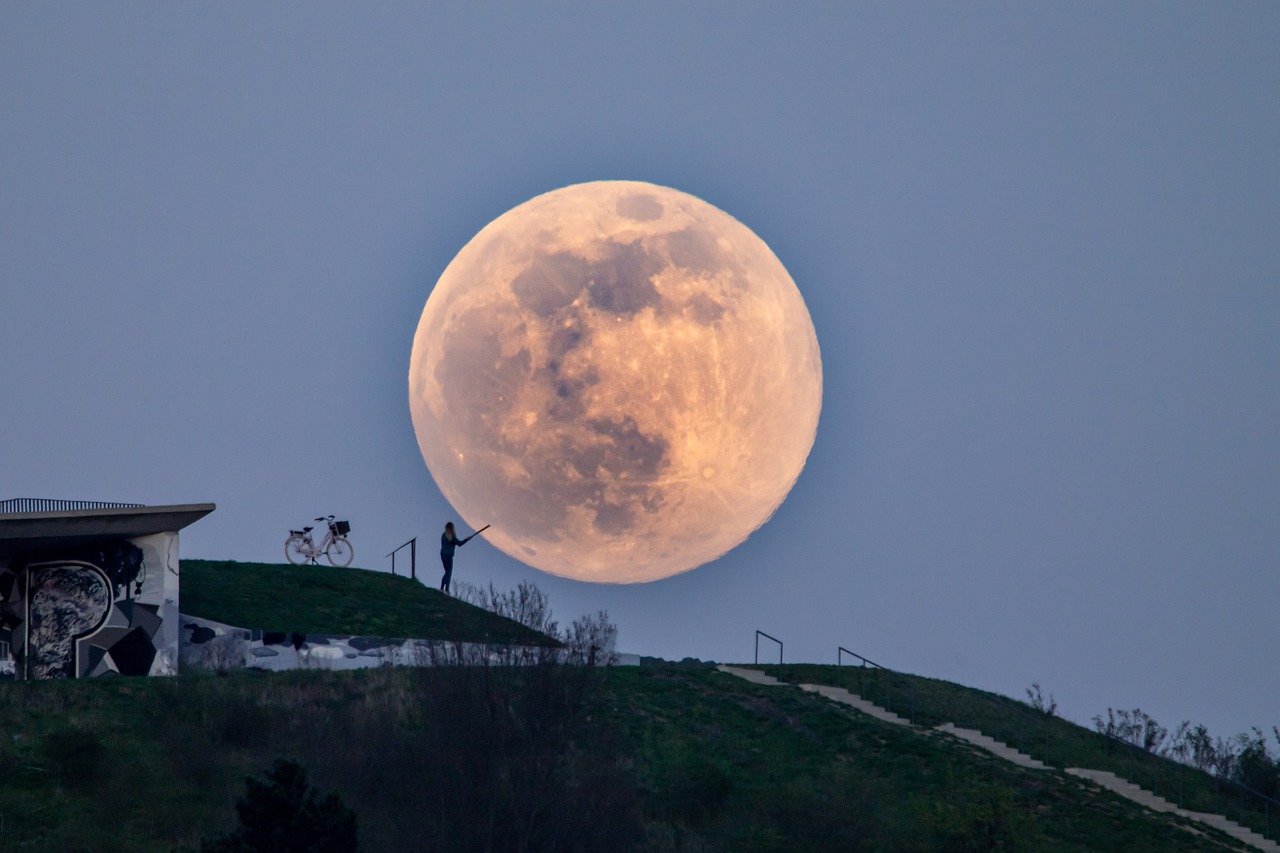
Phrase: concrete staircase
(839, 694)
(1101, 778)
(993, 746)
(1125, 788)
(755, 676)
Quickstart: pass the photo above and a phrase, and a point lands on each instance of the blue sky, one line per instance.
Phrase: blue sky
(1040, 244)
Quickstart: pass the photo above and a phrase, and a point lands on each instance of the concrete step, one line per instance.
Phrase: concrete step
(1124, 788)
(839, 694)
(993, 746)
(755, 676)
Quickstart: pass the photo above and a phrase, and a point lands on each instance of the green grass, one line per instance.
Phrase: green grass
(682, 757)
(1053, 740)
(713, 763)
(764, 758)
(328, 600)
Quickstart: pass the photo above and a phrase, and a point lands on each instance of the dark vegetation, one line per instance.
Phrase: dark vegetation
(476, 754)
(536, 757)
(1245, 759)
(286, 815)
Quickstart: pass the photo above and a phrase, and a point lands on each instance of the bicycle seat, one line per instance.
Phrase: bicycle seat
(307, 529)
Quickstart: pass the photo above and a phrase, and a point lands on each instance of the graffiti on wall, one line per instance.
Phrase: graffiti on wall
(106, 610)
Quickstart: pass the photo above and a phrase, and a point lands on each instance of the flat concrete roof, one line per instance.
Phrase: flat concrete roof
(33, 532)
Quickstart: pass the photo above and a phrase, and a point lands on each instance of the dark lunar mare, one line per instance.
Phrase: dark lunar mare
(480, 384)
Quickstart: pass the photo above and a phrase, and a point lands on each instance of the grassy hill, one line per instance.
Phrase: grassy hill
(327, 600)
(663, 757)
(652, 758)
(1057, 742)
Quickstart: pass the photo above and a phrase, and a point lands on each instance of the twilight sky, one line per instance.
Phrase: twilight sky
(1040, 244)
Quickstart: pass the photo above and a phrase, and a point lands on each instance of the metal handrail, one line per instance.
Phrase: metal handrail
(909, 697)
(842, 650)
(760, 634)
(1242, 787)
(413, 558)
(15, 505)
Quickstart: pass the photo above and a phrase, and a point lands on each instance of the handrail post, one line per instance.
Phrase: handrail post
(413, 558)
(760, 634)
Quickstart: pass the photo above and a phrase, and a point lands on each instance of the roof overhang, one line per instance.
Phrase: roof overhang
(24, 533)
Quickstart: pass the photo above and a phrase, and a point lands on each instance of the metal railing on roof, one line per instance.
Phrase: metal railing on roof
(47, 505)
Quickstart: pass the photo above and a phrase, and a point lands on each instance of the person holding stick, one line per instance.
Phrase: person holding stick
(448, 541)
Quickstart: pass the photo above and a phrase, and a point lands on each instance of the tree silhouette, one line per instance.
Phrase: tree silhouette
(286, 815)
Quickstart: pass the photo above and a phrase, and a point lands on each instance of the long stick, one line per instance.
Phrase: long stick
(478, 532)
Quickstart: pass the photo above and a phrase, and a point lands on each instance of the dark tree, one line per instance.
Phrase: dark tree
(286, 815)
(1255, 768)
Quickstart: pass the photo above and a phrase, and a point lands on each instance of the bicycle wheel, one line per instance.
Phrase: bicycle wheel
(340, 553)
(296, 550)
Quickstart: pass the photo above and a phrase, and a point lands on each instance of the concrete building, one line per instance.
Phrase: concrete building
(90, 589)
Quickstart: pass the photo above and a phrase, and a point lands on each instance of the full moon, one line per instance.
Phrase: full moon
(621, 378)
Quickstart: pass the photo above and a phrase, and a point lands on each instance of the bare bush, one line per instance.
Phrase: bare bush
(590, 641)
(525, 604)
(1192, 745)
(469, 593)
(1037, 700)
(1135, 727)
(225, 652)
(1245, 759)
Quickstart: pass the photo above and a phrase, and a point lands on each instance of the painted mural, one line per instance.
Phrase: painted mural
(109, 609)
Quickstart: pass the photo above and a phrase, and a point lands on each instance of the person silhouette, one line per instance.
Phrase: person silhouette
(448, 541)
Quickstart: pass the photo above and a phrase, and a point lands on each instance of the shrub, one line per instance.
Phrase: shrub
(1035, 698)
(1255, 767)
(1135, 727)
(286, 815)
(590, 641)
(225, 653)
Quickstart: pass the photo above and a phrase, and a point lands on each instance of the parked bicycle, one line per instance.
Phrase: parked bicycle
(300, 548)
